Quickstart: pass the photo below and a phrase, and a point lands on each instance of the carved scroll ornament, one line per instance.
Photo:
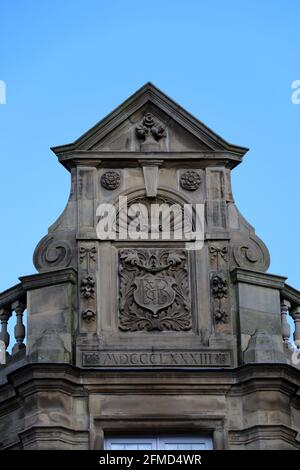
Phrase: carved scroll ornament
(52, 253)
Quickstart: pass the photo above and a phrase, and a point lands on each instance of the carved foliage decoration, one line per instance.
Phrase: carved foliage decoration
(154, 290)
(219, 287)
(149, 130)
(190, 180)
(88, 315)
(87, 287)
(87, 301)
(221, 316)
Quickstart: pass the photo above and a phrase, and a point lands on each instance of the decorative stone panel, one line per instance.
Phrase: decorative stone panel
(154, 290)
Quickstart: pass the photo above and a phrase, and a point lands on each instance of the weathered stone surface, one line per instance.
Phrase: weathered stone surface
(131, 335)
(61, 407)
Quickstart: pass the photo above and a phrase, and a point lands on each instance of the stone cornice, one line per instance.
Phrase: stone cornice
(49, 278)
(257, 278)
(196, 377)
(254, 433)
(291, 294)
(97, 159)
(8, 296)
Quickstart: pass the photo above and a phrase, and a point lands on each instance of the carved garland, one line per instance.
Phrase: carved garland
(88, 283)
(219, 288)
(154, 290)
(87, 287)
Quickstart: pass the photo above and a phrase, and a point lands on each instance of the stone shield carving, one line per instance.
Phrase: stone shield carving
(154, 290)
(154, 293)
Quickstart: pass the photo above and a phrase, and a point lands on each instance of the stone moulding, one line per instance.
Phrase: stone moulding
(158, 358)
(54, 277)
(202, 389)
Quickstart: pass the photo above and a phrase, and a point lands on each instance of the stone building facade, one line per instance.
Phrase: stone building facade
(150, 335)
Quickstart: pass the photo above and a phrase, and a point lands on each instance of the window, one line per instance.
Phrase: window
(159, 443)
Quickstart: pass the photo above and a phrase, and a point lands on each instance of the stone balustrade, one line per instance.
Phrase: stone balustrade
(290, 307)
(12, 307)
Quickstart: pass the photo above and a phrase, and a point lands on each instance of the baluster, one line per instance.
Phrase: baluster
(5, 314)
(296, 317)
(19, 330)
(285, 327)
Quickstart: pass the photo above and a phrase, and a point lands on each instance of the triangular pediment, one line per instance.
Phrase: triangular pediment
(117, 132)
(124, 136)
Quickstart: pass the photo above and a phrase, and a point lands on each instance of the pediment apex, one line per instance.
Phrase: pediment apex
(149, 96)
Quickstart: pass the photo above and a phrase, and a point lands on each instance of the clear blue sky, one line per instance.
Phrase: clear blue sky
(66, 64)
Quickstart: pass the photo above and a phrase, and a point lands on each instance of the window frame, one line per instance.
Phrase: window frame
(160, 442)
(116, 425)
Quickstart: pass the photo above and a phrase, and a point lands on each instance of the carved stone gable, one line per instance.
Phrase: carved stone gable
(154, 290)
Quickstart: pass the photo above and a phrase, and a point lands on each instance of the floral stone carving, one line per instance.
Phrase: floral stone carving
(219, 286)
(190, 180)
(87, 287)
(110, 180)
(88, 315)
(154, 290)
(221, 316)
(149, 130)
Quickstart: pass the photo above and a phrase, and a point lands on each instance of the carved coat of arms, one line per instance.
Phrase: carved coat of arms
(154, 290)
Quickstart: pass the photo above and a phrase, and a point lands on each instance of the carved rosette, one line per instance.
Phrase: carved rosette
(110, 180)
(88, 315)
(190, 180)
(154, 290)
